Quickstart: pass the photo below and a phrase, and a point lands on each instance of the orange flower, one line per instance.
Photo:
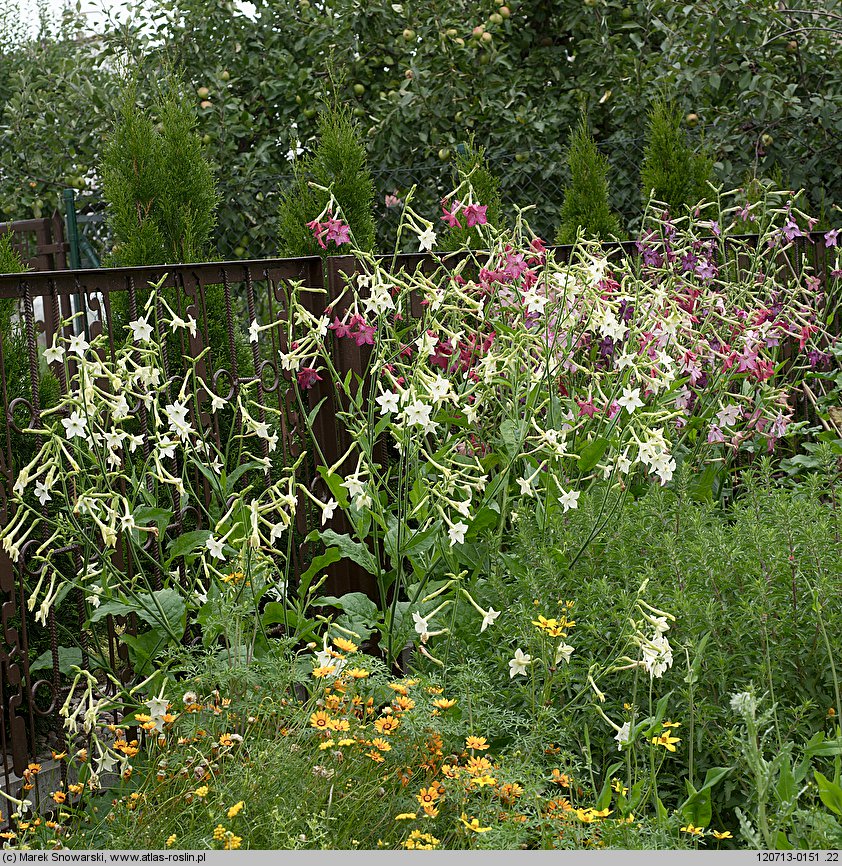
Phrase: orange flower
(381, 744)
(430, 810)
(386, 725)
(358, 673)
(323, 671)
(478, 743)
(58, 796)
(375, 756)
(478, 766)
(427, 795)
(320, 720)
(345, 645)
(561, 779)
(400, 688)
(444, 703)
(509, 792)
(339, 725)
(403, 703)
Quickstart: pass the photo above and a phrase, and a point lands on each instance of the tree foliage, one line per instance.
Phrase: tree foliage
(586, 205)
(759, 83)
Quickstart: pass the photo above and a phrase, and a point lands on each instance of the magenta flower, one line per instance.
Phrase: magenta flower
(338, 232)
(831, 238)
(307, 377)
(450, 216)
(475, 215)
(715, 434)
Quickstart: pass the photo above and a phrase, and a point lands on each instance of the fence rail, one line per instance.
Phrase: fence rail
(40, 242)
(224, 298)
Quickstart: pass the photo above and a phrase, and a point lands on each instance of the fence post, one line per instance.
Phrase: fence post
(72, 229)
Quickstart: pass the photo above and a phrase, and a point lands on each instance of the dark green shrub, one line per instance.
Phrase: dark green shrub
(470, 163)
(672, 172)
(586, 204)
(339, 163)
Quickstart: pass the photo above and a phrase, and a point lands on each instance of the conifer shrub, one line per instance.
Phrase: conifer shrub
(672, 171)
(586, 205)
(338, 163)
(470, 163)
(161, 198)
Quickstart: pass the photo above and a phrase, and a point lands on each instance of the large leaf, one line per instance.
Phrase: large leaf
(319, 563)
(67, 656)
(591, 454)
(187, 543)
(143, 649)
(351, 549)
(696, 809)
(361, 614)
(162, 609)
(830, 793)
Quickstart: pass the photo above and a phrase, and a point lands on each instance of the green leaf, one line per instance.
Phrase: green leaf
(334, 483)
(830, 793)
(143, 649)
(696, 809)
(319, 563)
(361, 613)
(162, 609)
(353, 550)
(67, 656)
(591, 454)
(187, 543)
(511, 434)
(147, 514)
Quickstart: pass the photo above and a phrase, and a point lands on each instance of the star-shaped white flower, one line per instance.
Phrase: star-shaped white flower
(42, 492)
(215, 546)
(630, 399)
(54, 354)
(525, 487)
(519, 664)
(157, 707)
(488, 619)
(327, 510)
(78, 344)
(75, 425)
(141, 330)
(457, 533)
(426, 240)
(254, 331)
(569, 500)
(563, 653)
(421, 625)
(389, 402)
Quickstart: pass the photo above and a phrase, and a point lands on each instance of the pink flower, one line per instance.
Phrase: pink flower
(449, 216)
(831, 238)
(307, 377)
(392, 200)
(475, 215)
(715, 434)
(338, 232)
(318, 231)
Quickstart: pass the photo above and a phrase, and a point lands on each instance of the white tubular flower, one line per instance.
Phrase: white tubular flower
(519, 664)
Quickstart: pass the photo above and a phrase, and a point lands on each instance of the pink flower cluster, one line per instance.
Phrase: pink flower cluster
(331, 230)
(475, 214)
(357, 329)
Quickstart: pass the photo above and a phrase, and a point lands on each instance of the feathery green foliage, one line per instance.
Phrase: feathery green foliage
(672, 172)
(586, 204)
(159, 185)
(339, 162)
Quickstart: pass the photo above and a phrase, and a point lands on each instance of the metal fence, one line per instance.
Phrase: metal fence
(40, 242)
(223, 297)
